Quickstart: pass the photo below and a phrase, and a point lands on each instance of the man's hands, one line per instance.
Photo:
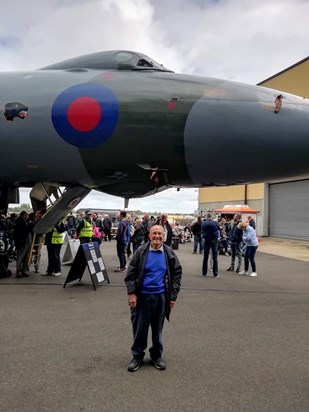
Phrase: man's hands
(132, 301)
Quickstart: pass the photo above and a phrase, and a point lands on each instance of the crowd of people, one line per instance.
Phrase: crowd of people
(233, 237)
(19, 242)
(153, 275)
(210, 237)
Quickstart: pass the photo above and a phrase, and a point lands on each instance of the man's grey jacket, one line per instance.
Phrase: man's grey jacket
(135, 274)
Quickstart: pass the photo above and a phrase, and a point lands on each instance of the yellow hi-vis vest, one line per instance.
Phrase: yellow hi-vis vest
(57, 238)
(87, 230)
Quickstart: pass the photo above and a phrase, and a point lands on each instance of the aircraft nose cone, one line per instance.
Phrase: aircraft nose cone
(231, 138)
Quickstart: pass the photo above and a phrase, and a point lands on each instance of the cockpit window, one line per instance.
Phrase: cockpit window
(144, 63)
(123, 56)
(110, 60)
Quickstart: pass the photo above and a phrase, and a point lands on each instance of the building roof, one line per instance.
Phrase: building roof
(283, 71)
(237, 209)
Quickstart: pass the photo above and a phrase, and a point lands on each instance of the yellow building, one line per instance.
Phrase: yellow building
(283, 205)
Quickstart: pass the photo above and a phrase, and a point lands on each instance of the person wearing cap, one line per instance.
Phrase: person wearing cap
(85, 228)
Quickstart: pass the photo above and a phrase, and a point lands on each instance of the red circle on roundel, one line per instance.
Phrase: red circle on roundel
(84, 114)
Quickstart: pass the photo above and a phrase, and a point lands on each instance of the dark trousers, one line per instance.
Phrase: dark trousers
(129, 253)
(224, 245)
(107, 233)
(150, 310)
(22, 258)
(121, 249)
(236, 251)
(198, 242)
(213, 246)
(136, 245)
(54, 263)
(250, 256)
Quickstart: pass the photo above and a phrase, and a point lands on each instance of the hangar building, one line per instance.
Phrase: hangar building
(284, 204)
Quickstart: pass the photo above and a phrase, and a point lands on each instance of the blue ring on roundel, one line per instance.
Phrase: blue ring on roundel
(107, 123)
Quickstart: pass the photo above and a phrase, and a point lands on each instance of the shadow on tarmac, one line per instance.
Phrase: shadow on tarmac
(233, 344)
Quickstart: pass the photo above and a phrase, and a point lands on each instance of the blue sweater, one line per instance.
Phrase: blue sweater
(154, 276)
(249, 237)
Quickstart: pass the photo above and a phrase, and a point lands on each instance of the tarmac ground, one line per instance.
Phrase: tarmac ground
(233, 344)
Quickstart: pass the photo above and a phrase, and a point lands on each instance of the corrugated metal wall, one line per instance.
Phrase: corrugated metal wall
(289, 210)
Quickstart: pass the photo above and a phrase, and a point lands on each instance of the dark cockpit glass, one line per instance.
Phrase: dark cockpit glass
(110, 60)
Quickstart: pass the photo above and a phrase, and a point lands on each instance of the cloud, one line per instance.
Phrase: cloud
(182, 201)
(244, 40)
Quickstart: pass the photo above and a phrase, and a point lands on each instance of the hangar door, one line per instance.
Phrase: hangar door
(288, 210)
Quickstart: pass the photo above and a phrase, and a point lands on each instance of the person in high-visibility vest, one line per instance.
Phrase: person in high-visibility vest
(85, 228)
(54, 241)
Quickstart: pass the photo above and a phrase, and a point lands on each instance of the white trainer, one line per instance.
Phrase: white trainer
(243, 272)
(253, 274)
(57, 274)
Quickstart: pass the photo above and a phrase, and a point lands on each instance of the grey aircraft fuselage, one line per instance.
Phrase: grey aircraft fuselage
(131, 133)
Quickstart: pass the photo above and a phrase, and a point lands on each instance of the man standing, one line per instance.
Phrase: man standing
(251, 221)
(211, 236)
(85, 228)
(54, 242)
(196, 229)
(167, 228)
(121, 238)
(235, 236)
(153, 282)
(71, 223)
(146, 223)
(107, 225)
(22, 239)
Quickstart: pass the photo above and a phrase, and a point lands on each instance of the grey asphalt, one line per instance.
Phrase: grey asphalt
(233, 344)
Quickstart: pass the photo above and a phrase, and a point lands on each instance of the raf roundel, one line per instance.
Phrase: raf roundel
(85, 115)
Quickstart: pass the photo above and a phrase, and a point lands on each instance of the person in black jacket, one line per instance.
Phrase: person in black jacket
(107, 226)
(235, 237)
(22, 238)
(196, 229)
(139, 234)
(153, 281)
(122, 238)
(168, 231)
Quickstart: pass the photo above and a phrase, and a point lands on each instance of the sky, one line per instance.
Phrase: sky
(244, 40)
